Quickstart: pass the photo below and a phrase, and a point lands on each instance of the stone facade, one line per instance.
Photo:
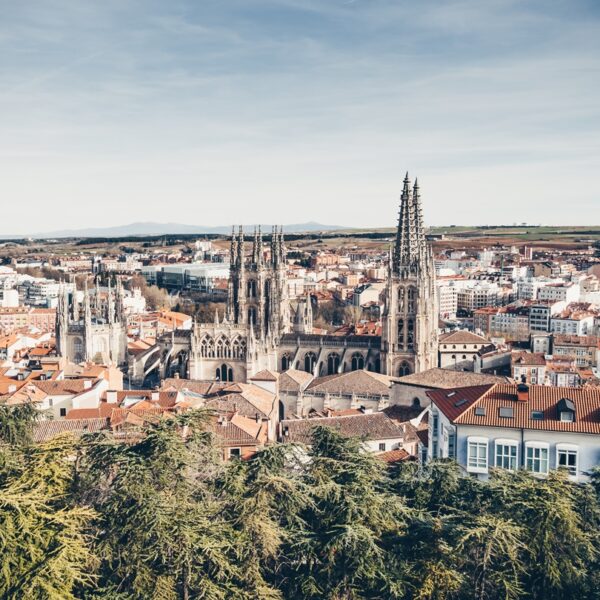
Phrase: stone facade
(261, 331)
(94, 330)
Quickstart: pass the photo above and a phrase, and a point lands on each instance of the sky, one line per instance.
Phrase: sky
(214, 112)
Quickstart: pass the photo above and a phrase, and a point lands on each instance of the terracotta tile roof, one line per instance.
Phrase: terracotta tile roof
(374, 426)
(230, 403)
(541, 399)
(263, 400)
(265, 375)
(46, 430)
(394, 456)
(204, 388)
(447, 379)
(231, 434)
(104, 410)
(528, 358)
(357, 382)
(64, 387)
(293, 380)
(462, 337)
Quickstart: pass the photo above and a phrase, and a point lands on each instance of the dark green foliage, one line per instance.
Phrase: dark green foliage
(162, 517)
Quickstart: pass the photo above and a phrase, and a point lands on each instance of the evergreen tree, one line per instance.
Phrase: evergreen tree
(44, 545)
(161, 532)
(350, 519)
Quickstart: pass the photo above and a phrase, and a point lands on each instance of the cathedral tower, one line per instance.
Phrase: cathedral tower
(409, 333)
(257, 293)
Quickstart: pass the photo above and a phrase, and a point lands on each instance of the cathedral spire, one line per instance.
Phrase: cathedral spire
(233, 249)
(410, 240)
(240, 248)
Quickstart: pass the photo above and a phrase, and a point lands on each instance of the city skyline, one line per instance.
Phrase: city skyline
(297, 110)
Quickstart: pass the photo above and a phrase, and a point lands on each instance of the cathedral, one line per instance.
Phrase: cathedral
(261, 330)
(94, 329)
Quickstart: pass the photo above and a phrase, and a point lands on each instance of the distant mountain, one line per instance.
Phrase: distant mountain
(149, 228)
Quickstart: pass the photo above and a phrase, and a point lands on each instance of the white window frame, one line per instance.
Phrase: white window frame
(537, 446)
(503, 442)
(568, 448)
(478, 442)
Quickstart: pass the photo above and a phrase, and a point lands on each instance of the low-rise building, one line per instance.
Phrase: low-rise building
(516, 426)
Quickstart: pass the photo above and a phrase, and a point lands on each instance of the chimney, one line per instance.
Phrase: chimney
(154, 396)
(12, 388)
(87, 384)
(523, 392)
(111, 396)
(176, 375)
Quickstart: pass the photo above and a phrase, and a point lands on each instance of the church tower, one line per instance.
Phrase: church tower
(409, 333)
(257, 292)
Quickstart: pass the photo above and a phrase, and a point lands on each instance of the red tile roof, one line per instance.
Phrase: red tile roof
(541, 398)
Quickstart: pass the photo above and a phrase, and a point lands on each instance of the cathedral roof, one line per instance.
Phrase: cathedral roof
(354, 382)
(265, 375)
(437, 378)
(293, 380)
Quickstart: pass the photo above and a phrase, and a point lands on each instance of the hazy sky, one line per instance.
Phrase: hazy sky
(220, 111)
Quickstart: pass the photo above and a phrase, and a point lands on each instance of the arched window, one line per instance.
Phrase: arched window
(333, 363)
(224, 373)
(412, 300)
(403, 369)
(410, 337)
(285, 362)
(416, 402)
(220, 348)
(309, 362)
(252, 315)
(358, 361)
(401, 332)
(252, 288)
(401, 300)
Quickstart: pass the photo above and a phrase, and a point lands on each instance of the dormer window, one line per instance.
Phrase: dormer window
(566, 410)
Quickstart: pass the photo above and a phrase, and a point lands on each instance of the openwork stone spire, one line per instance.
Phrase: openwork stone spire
(410, 245)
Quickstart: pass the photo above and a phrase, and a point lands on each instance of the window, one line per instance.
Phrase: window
(62, 412)
(506, 454)
(434, 424)
(382, 447)
(477, 455)
(537, 415)
(567, 416)
(567, 458)
(480, 411)
(506, 412)
(434, 449)
(235, 452)
(452, 445)
(537, 458)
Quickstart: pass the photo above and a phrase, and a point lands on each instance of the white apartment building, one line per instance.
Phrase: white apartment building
(559, 292)
(510, 426)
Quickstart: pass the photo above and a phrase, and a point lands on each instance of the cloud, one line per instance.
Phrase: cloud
(296, 109)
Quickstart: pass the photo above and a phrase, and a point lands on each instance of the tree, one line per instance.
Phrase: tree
(44, 542)
(351, 522)
(161, 531)
(559, 550)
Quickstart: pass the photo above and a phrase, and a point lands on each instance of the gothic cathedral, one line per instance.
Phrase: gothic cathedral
(262, 331)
